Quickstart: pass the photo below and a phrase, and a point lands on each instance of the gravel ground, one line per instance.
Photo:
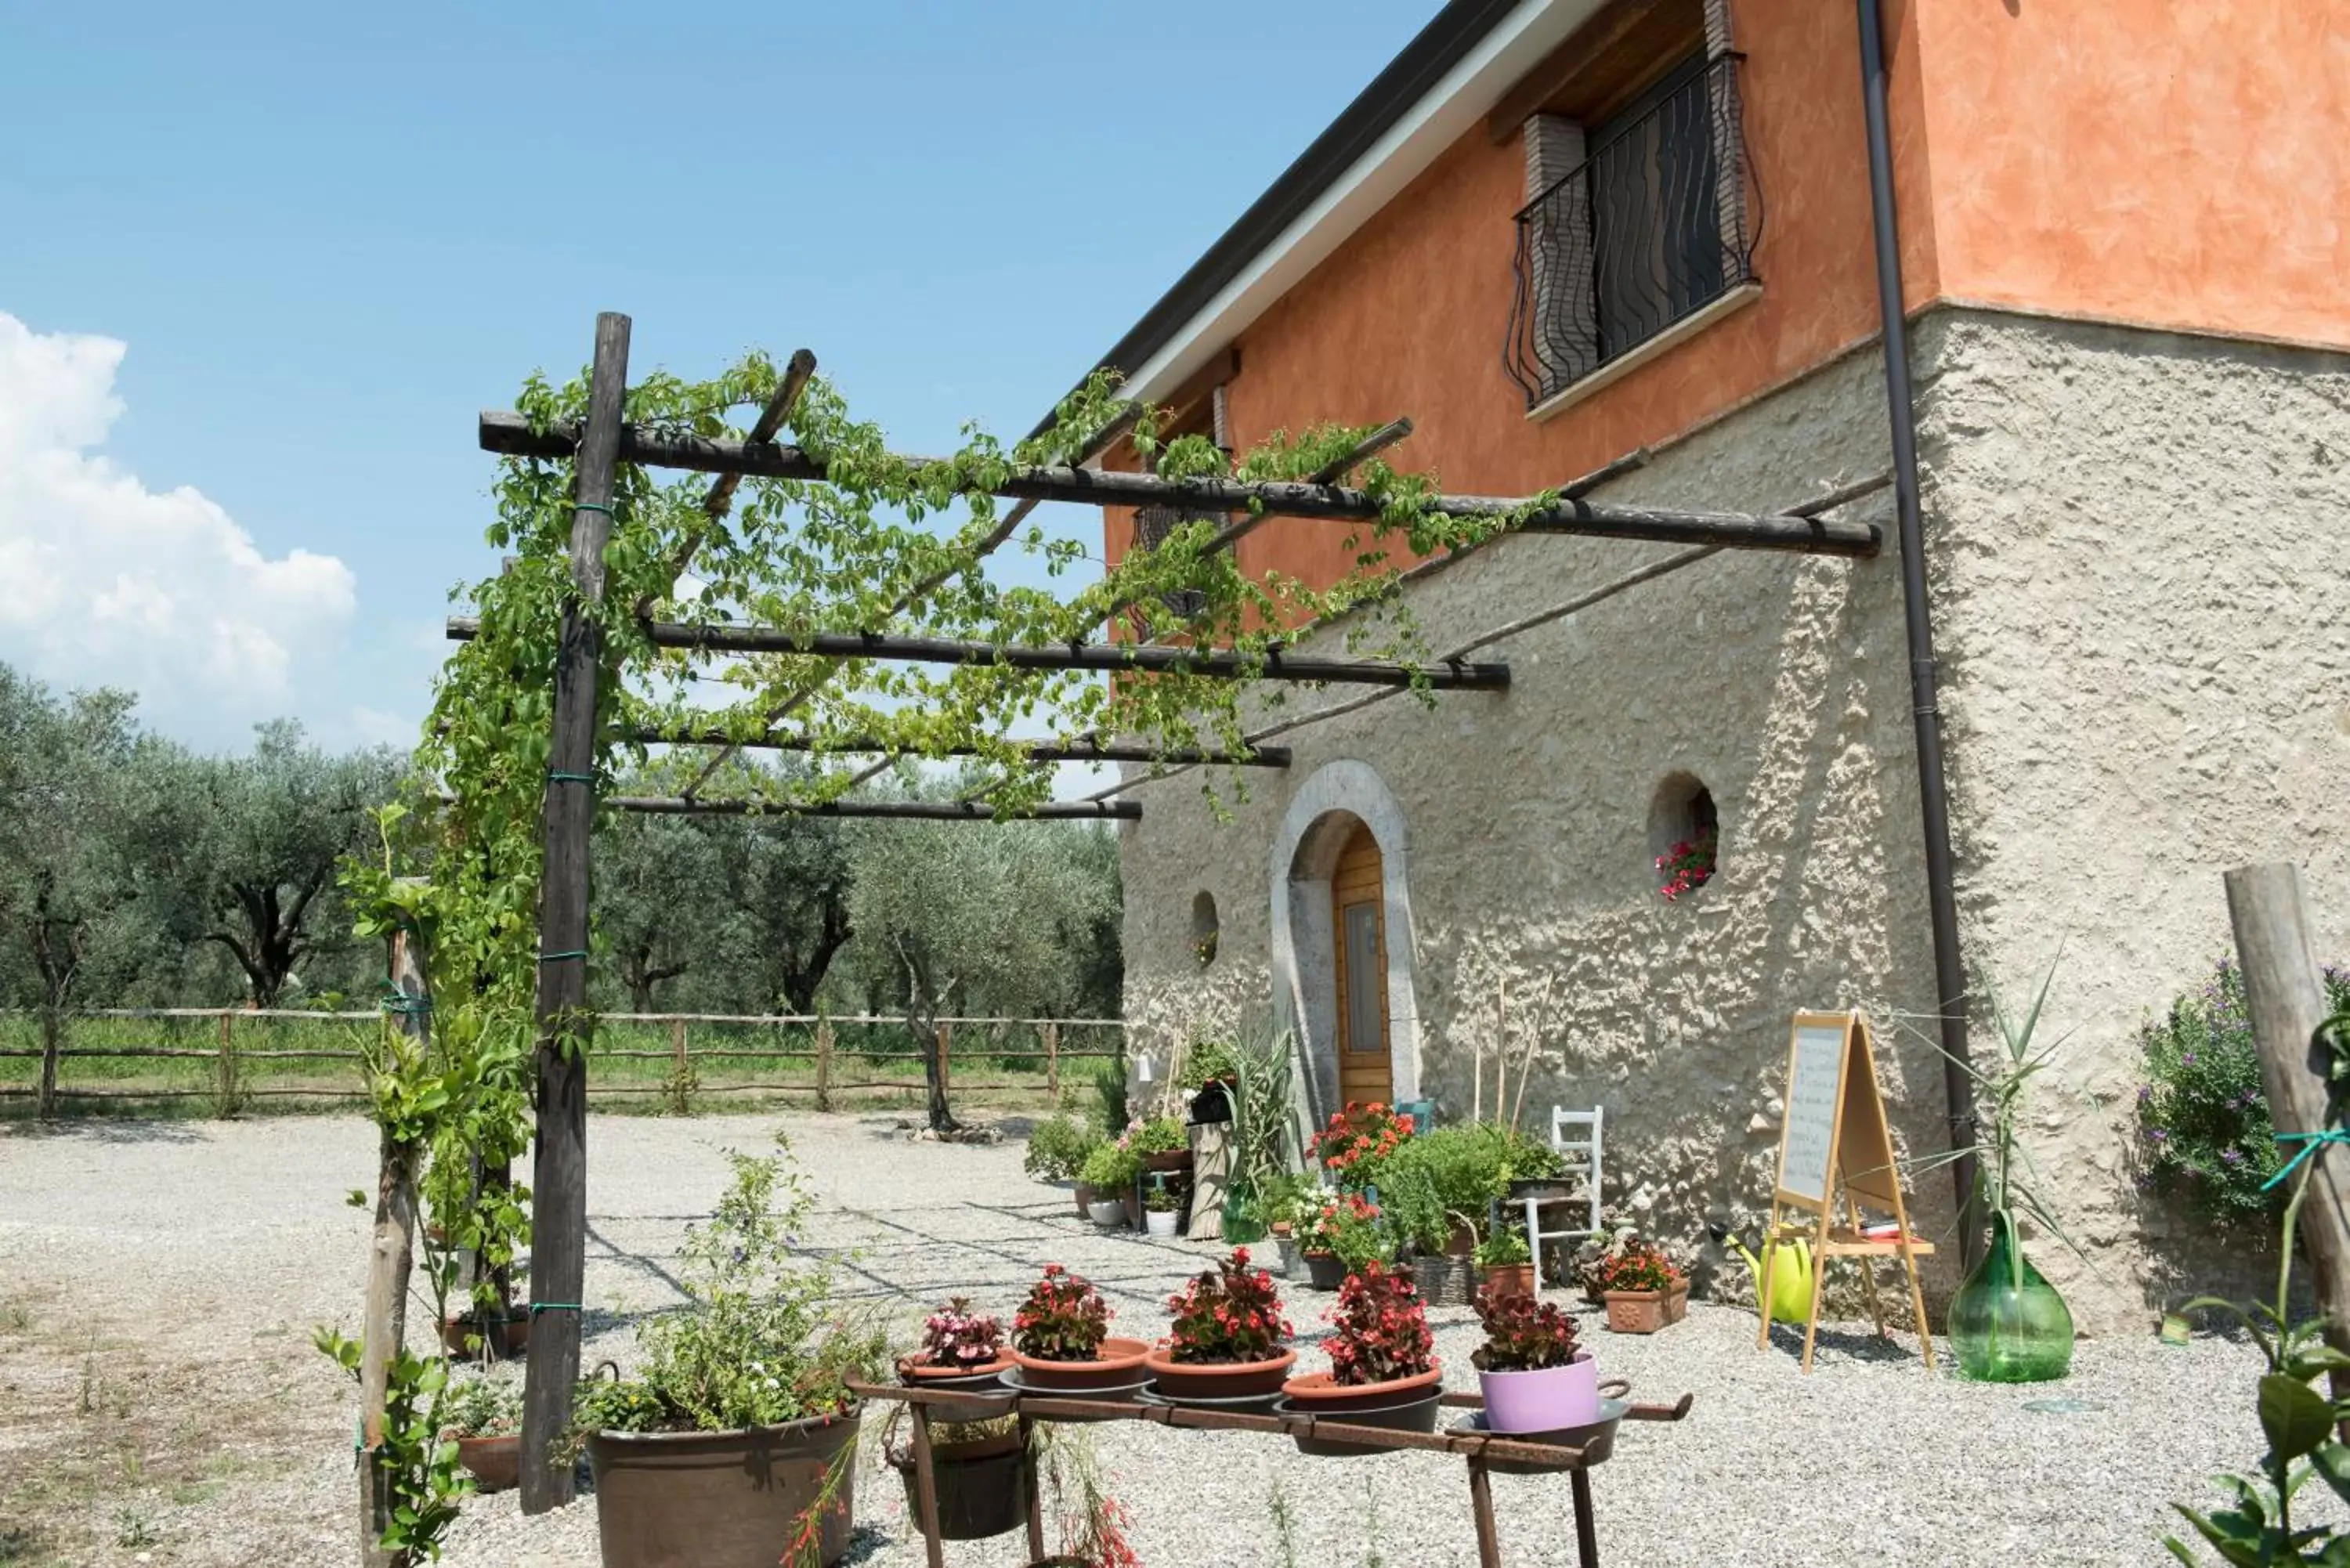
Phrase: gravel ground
(159, 1403)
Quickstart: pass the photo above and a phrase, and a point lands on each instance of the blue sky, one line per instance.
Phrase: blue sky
(260, 265)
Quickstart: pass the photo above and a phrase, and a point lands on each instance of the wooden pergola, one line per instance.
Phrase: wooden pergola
(598, 444)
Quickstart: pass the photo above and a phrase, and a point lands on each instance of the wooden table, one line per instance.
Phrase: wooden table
(1479, 1450)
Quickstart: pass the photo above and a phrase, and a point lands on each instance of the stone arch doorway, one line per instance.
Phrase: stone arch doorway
(1342, 941)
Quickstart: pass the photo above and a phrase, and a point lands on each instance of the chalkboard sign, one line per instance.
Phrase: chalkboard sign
(1815, 1068)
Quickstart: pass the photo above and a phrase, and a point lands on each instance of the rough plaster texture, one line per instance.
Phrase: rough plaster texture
(2138, 551)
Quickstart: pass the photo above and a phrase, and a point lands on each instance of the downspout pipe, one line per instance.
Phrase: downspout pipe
(1933, 788)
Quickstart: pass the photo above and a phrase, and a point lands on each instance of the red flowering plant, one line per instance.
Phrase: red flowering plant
(1523, 1334)
(1687, 866)
(956, 1336)
(1347, 1227)
(1638, 1267)
(1358, 1140)
(1063, 1318)
(1380, 1329)
(1231, 1313)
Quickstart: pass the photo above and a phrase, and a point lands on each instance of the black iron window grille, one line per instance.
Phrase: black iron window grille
(1658, 221)
(1152, 527)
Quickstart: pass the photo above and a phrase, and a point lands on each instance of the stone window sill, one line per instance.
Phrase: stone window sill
(1656, 348)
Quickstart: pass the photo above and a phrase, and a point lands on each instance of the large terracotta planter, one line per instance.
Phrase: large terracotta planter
(1181, 1380)
(1315, 1392)
(494, 1463)
(721, 1499)
(1119, 1363)
(978, 1486)
(1168, 1160)
(1677, 1303)
(1542, 1401)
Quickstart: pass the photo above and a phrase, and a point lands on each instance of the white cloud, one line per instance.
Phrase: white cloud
(111, 583)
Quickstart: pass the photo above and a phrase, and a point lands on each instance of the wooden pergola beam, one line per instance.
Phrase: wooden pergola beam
(894, 810)
(1078, 749)
(1111, 657)
(510, 434)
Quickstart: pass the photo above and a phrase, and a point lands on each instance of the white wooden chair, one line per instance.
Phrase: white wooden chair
(1575, 1135)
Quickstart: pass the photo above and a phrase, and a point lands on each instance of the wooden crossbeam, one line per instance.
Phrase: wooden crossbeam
(897, 810)
(1114, 657)
(510, 434)
(1078, 749)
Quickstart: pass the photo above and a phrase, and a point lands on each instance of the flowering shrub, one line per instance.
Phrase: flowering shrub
(1109, 1168)
(1229, 1313)
(1638, 1267)
(1687, 866)
(1379, 1329)
(1349, 1228)
(2203, 1116)
(1358, 1140)
(1063, 1318)
(1523, 1334)
(954, 1336)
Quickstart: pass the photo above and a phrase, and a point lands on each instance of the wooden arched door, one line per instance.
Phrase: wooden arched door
(1358, 930)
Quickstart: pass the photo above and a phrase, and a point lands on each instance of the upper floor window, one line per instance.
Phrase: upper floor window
(1651, 217)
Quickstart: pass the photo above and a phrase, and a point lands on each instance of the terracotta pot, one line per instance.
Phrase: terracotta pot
(979, 1486)
(495, 1462)
(513, 1342)
(1180, 1380)
(1119, 1362)
(1677, 1303)
(1324, 1272)
(1544, 1400)
(1636, 1312)
(1510, 1279)
(1316, 1393)
(1132, 1204)
(1171, 1160)
(1085, 1195)
(720, 1500)
(914, 1371)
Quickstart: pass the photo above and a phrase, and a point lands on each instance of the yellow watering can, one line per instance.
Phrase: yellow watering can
(1790, 1293)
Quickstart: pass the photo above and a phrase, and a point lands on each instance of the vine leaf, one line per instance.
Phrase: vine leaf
(2296, 1417)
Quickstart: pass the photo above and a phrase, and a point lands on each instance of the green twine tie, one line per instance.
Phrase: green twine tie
(591, 506)
(2311, 1142)
(571, 778)
(557, 958)
(538, 1307)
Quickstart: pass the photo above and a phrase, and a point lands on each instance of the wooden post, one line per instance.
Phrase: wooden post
(823, 1062)
(53, 1028)
(946, 1079)
(1052, 1062)
(225, 1074)
(391, 1253)
(2286, 997)
(559, 1172)
(678, 1065)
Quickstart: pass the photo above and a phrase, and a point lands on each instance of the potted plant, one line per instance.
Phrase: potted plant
(740, 1433)
(1161, 1142)
(1280, 1203)
(1060, 1340)
(1058, 1148)
(959, 1347)
(1383, 1367)
(1345, 1235)
(1533, 1375)
(1225, 1342)
(1162, 1206)
(1358, 1140)
(482, 1415)
(1108, 1175)
(463, 1334)
(1639, 1286)
(978, 1470)
(1505, 1263)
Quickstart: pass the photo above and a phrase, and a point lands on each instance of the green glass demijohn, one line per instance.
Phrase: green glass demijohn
(2008, 1324)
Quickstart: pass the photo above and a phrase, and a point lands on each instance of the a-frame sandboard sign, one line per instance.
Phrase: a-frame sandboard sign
(1834, 1135)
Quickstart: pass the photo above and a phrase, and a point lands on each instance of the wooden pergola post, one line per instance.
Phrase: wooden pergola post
(559, 1172)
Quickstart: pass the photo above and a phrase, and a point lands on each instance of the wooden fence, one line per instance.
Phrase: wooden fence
(234, 1057)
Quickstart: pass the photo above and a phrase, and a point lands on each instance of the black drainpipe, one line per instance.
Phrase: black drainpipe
(1933, 789)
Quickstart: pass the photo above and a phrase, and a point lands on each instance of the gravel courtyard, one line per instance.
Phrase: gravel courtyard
(160, 1401)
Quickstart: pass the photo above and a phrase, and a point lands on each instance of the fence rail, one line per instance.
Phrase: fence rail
(319, 1056)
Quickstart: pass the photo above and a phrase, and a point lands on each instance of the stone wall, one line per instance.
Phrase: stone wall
(2142, 690)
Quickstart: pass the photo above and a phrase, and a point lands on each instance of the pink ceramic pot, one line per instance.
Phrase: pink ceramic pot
(1543, 1401)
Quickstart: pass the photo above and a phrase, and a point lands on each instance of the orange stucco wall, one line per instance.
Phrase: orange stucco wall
(2175, 162)
(1407, 317)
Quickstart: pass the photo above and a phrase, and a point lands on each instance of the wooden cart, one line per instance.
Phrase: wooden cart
(1481, 1451)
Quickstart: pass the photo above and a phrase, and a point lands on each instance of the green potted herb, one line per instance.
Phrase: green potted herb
(482, 1415)
(1107, 1177)
(739, 1433)
(1058, 1148)
(1162, 1210)
(1505, 1263)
